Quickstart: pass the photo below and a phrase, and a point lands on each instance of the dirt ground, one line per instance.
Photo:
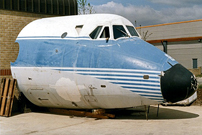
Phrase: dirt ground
(199, 92)
(199, 98)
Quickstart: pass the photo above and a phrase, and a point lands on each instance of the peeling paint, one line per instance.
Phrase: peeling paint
(67, 90)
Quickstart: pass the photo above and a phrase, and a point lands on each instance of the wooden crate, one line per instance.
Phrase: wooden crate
(7, 89)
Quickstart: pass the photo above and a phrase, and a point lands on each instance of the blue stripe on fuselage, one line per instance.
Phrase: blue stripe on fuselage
(149, 88)
(128, 53)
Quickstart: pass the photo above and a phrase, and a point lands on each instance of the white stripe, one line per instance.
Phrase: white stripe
(54, 38)
(101, 69)
(118, 77)
(149, 95)
(115, 73)
(132, 82)
(111, 69)
(69, 38)
(35, 38)
(143, 90)
(153, 98)
(139, 86)
(161, 100)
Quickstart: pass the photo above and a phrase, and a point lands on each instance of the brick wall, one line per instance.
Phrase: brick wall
(11, 23)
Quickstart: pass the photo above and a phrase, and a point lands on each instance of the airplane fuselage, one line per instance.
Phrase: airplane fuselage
(78, 72)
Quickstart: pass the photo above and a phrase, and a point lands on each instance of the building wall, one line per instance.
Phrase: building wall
(16, 14)
(51, 7)
(183, 40)
(11, 23)
(184, 29)
(184, 52)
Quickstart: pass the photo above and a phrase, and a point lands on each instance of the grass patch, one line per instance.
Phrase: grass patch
(200, 86)
(199, 75)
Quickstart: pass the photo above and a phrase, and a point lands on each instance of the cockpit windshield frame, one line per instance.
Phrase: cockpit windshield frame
(105, 33)
(115, 31)
(95, 33)
(119, 31)
(132, 31)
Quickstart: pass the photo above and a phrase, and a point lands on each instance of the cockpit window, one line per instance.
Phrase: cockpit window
(105, 33)
(132, 31)
(95, 32)
(119, 31)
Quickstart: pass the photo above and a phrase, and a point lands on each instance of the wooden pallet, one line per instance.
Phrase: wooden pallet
(7, 89)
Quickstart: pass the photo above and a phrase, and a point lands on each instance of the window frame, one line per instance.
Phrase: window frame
(100, 33)
(130, 32)
(99, 37)
(96, 37)
(126, 30)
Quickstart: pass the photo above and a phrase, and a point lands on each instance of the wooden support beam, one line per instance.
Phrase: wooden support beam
(81, 113)
(146, 112)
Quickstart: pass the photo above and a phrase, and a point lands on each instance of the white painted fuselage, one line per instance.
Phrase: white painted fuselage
(51, 87)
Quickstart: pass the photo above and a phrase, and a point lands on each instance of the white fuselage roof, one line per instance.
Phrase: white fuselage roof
(56, 26)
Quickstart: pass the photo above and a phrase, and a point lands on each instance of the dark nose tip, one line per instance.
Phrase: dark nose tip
(177, 84)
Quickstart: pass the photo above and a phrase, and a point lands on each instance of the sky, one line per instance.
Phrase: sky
(151, 12)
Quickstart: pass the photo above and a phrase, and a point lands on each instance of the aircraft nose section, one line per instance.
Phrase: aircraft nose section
(177, 84)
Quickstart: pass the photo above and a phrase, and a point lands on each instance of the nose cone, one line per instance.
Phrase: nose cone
(177, 84)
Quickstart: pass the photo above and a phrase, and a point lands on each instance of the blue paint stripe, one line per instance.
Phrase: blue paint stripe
(114, 79)
(104, 75)
(154, 97)
(115, 72)
(127, 87)
(137, 91)
(132, 72)
(132, 84)
(66, 70)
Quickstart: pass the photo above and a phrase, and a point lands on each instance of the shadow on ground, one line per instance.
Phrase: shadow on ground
(139, 113)
(164, 113)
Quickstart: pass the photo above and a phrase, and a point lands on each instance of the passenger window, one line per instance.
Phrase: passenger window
(119, 31)
(95, 32)
(105, 33)
(132, 31)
